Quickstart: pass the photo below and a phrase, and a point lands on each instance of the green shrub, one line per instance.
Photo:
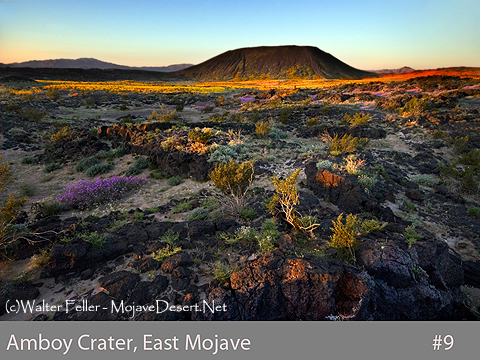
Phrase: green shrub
(473, 211)
(284, 114)
(222, 153)
(197, 214)
(50, 207)
(174, 181)
(95, 239)
(90, 102)
(470, 158)
(179, 107)
(277, 134)
(133, 170)
(325, 164)
(52, 167)
(411, 236)
(119, 152)
(182, 207)
(103, 154)
(141, 163)
(98, 169)
(33, 115)
(86, 163)
(247, 213)
(13, 108)
(28, 160)
(424, 179)
(170, 237)
(27, 189)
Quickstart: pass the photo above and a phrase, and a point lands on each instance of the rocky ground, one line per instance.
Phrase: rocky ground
(414, 173)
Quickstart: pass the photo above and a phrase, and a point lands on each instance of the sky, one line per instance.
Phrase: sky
(366, 34)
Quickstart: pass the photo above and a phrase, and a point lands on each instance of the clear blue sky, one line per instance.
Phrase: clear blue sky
(366, 34)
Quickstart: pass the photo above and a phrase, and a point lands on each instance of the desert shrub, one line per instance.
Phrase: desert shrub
(138, 216)
(13, 108)
(132, 170)
(233, 178)
(222, 153)
(424, 179)
(414, 107)
(170, 237)
(286, 197)
(141, 163)
(119, 152)
(104, 154)
(339, 145)
(368, 181)
(123, 107)
(28, 160)
(33, 115)
(411, 236)
(98, 169)
(284, 114)
(353, 165)
(27, 189)
(174, 181)
(127, 120)
(470, 158)
(52, 93)
(90, 102)
(41, 259)
(197, 214)
(182, 207)
(52, 167)
(86, 163)
(166, 252)
(247, 213)
(313, 121)
(325, 164)
(223, 271)
(206, 109)
(17, 131)
(262, 129)
(371, 225)
(49, 207)
(473, 211)
(163, 115)
(61, 135)
(356, 119)
(459, 144)
(344, 237)
(86, 193)
(277, 134)
(202, 136)
(179, 107)
(95, 239)
(466, 179)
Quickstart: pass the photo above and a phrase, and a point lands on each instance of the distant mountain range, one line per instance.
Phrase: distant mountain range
(90, 63)
(402, 70)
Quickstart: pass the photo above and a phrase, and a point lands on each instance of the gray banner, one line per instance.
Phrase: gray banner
(247, 340)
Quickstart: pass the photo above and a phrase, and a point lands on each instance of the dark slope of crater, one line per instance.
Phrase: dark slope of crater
(274, 62)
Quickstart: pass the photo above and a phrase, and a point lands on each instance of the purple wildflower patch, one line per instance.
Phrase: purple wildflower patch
(86, 193)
